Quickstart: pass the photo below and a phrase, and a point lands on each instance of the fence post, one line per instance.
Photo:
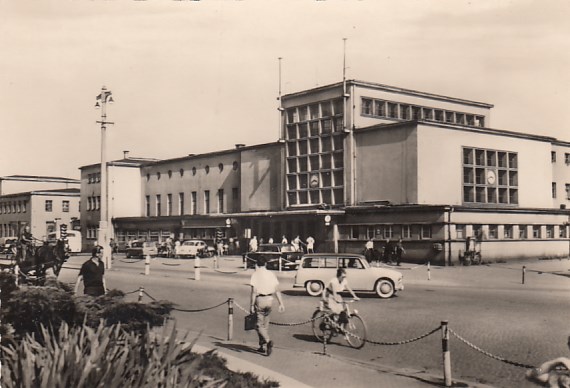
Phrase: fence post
(141, 291)
(197, 267)
(147, 265)
(428, 270)
(280, 265)
(245, 262)
(446, 353)
(230, 318)
(17, 273)
(216, 262)
(523, 273)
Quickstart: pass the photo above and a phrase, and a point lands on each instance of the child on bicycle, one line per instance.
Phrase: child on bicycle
(332, 298)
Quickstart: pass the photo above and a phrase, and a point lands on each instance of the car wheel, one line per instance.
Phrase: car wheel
(314, 288)
(384, 288)
(128, 256)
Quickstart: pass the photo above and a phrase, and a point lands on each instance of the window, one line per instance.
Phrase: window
(207, 169)
(168, 204)
(158, 206)
(193, 170)
(508, 232)
(493, 232)
(158, 175)
(567, 190)
(194, 203)
(549, 231)
(147, 206)
(169, 173)
(98, 202)
(523, 232)
(490, 176)
(207, 201)
(388, 232)
(406, 231)
(235, 166)
(221, 167)
(49, 205)
(65, 206)
(380, 108)
(220, 200)
(89, 204)
(460, 231)
(553, 156)
(180, 204)
(567, 158)
(553, 189)
(562, 231)
(425, 231)
(536, 231)
(366, 106)
(181, 172)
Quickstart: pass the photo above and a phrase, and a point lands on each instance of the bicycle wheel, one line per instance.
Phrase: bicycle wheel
(356, 332)
(321, 326)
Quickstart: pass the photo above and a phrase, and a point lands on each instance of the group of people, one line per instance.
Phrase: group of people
(298, 244)
(390, 252)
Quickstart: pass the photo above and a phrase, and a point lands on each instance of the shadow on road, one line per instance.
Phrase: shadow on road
(236, 347)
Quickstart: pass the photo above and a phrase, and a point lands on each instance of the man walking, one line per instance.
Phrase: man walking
(264, 285)
(92, 273)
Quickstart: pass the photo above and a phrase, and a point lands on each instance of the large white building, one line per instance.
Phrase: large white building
(359, 160)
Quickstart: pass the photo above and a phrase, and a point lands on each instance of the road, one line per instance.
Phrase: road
(488, 306)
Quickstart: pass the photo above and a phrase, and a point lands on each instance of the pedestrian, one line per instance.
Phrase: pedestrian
(92, 273)
(297, 244)
(388, 251)
(284, 240)
(264, 285)
(368, 250)
(27, 243)
(399, 251)
(270, 241)
(253, 244)
(553, 373)
(310, 244)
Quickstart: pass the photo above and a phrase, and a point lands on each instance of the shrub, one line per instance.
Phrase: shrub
(111, 357)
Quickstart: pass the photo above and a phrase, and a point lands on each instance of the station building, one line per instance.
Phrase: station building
(357, 161)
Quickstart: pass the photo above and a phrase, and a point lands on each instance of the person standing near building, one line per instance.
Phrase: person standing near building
(297, 244)
(399, 251)
(92, 273)
(264, 285)
(388, 251)
(284, 240)
(26, 242)
(310, 244)
(369, 250)
(253, 244)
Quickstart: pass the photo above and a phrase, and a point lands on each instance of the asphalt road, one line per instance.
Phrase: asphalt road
(487, 306)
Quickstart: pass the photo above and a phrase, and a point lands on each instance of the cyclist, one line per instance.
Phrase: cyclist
(332, 298)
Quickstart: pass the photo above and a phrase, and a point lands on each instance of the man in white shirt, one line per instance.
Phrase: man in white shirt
(310, 244)
(264, 285)
(253, 244)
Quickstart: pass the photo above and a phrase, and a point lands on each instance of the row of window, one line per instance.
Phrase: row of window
(383, 232)
(566, 157)
(315, 111)
(397, 110)
(13, 207)
(162, 235)
(94, 178)
(567, 188)
(490, 176)
(8, 230)
(235, 166)
(521, 232)
(157, 205)
(64, 206)
(93, 203)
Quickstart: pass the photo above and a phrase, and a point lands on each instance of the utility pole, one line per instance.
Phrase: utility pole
(103, 237)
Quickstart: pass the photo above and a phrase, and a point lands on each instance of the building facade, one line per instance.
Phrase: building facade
(42, 210)
(360, 160)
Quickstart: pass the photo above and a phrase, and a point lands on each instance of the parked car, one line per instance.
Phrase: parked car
(6, 247)
(271, 253)
(193, 248)
(142, 248)
(316, 270)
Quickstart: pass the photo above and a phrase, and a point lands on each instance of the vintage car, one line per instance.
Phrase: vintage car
(271, 253)
(142, 249)
(316, 270)
(193, 248)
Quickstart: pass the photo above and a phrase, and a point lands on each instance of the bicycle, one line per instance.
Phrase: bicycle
(326, 326)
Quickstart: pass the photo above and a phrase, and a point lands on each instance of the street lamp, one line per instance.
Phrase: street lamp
(103, 237)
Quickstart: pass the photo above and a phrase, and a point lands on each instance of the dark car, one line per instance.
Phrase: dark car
(271, 253)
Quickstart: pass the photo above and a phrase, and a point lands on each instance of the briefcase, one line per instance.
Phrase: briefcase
(250, 321)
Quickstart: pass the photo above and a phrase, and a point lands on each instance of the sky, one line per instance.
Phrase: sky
(201, 76)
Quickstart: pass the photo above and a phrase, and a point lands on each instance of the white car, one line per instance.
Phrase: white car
(316, 270)
(193, 248)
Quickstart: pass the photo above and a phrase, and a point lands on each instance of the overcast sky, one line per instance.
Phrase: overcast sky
(200, 76)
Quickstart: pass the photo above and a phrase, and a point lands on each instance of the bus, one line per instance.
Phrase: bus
(73, 240)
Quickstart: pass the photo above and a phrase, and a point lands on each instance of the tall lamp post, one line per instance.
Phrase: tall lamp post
(103, 237)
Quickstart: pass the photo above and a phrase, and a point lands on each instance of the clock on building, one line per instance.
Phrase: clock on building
(314, 181)
(491, 177)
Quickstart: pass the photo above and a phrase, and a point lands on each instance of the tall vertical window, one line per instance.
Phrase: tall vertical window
(49, 205)
(508, 231)
(158, 210)
(567, 190)
(220, 200)
(65, 206)
(98, 202)
(425, 231)
(553, 156)
(194, 203)
(523, 232)
(146, 206)
(235, 199)
(168, 204)
(180, 204)
(490, 176)
(553, 189)
(207, 201)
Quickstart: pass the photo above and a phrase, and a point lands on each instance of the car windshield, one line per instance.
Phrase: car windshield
(287, 248)
(137, 244)
(269, 248)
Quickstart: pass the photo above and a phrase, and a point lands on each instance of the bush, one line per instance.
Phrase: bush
(111, 357)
